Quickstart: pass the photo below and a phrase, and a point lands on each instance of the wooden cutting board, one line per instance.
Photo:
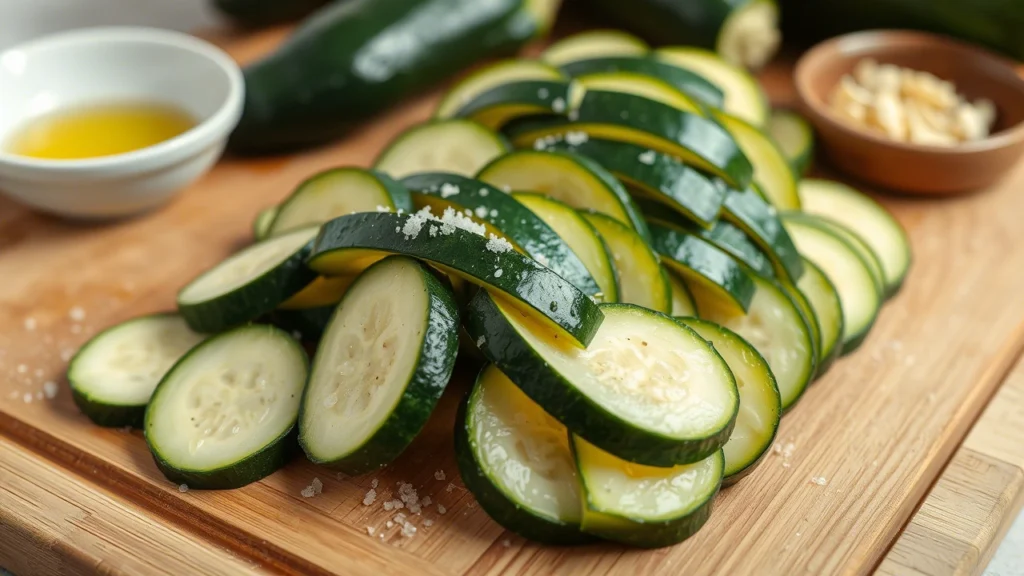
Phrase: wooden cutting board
(878, 427)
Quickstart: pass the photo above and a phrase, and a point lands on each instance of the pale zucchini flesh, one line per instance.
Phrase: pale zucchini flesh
(827, 309)
(641, 280)
(335, 193)
(593, 44)
(682, 300)
(744, 97)
(455, 145)
(493, 76)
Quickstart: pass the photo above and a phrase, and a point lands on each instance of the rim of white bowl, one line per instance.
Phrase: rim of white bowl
(210, 129)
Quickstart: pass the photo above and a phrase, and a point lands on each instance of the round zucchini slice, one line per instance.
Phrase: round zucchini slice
(516, 461)
(581, 237)
(744, 97)
(576, 180)
(772, 172)
(455, 145)
(456, 244)
(249, 283)
(637, 268)
(795, 138)
(760, 403)
(760, 221)
(490, 77)
(593, 44)
(223, 416)
(337, 192)
(645, 506)
(682, 300)
(860, 246)
(112, 376)
(382, 364)
(508, 102)
(828, 311)
(640, 85)
(261, 224)
(646, 389)
(686, 81)
(810, 320)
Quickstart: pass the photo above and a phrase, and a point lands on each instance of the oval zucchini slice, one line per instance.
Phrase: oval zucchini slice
(744, 97)
(855, 242)
(646, 389)
(772, 172)
(337, 192)
(581, 237)
(516, 461)
(113, 375)
(843, 266)
(502, 104)
(382, 364)
(507, 216)
(795, 138)
(760, 403)
(641, 278)
(222, 417)
(490, 77)
(640, 85)
(593, 44)
(824, 301)
(682, 300)
(731, 239)
(456, 145)
(687, 81)
(645, 506)
(349, 244)
(760, 221)
(261, 224)
(248, 284)
(576, 180)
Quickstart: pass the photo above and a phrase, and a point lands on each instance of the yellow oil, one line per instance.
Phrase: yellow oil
(99, 130)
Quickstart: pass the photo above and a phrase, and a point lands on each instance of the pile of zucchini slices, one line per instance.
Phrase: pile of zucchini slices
(621, 234)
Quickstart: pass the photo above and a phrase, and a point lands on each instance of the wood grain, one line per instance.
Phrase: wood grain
(879, 426)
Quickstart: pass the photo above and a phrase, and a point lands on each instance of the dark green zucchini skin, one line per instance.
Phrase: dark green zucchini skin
(309, 322)
(689, 22)
(265, 12)
(355, 58)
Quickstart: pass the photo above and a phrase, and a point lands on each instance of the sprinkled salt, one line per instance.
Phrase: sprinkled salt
(374, 483)
(498, 245)
(370, 530)
(558, 105)
(315, 487)
(426, 501)
(576, 138)
(408, 530)
(389, 505)
(452, 220)
(27, 398)
(77, 314)
(493, 213)
(647, 157)
(439, 474)
(450, 485)
(22, 368)
(182, 488)
(441, 509)
(397, 505)
(819, 480)
(449, 189)
(479, 344)
(542, 93)
(484, 192)
(428, 522)
(481, 211)
(370, 498)
(383, 208)
(30, 324)
(498, 273)
(50, 388)
(389, 524)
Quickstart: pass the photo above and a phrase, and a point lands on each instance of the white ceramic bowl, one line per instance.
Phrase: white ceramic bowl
(96, 65)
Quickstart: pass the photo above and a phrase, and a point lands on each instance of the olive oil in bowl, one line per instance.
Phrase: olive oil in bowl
(99, 130)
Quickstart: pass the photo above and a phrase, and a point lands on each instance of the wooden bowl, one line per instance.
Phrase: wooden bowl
(910, 167)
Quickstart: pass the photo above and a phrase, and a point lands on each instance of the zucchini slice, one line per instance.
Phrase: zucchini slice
(337, 192)
(855, 242)
(652, 175)
(824, 301)
(261, 224)
(682, 79)
(507, 216)
(222, 417)
(455, 145)
(795, 138)
(581, 237)
(810, 320)
(843, 266)
(505, 103)
(249, 283)
(113, 375)
(760, 221)
(646, 389)
(774, 326)
(645, 506)
(682, 300)
(701, 263)
(456, 244)
(516, 461)
(593, 44)
(760, 403)
(772, 172)
(641, 85)
(382, 364)
(698, 141)
(490, 77)
(731, 239)
(744, 97)
(641, 278)
(867, 219)
(750, 35)
(576, 180)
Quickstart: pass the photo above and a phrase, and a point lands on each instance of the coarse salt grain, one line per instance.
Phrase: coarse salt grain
(441, 509)
(30, 324)
(374, 483)
(542, 93)
(451, 220)
(182, 488)
(383, 208)
(448, 189)
(498, 273)
(370, 497)
(426, 501)
(77, 314)
(481, 211)
(439, 474)
(27, 398)
(647, 157)
(408, 530)
(819, 480)
(389, 505)
(483, 192)
(389, 524)
(558, 105)
(315, 487)
(22, 368)
(50, 389)
(498, 245)
(450, 485)
(479, 344)
(428, 522)
(370, 530)
(576, 138)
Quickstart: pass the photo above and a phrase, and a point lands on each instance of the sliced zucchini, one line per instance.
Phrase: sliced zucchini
(646, 389)
(652, 175)
(824, 302)
(774, 326)
(772, 172)
(113, 375)
(760, 402)
(641, 278)
(304, 323)
(858, 293)
(795, 138)
(862, 248)
(866, 218)
(698, 141)
(249, 283)
(682, 300)
(507, 217)
(261, 224)
(489, 77)
(222, 417)
(641, 85)
(731, 239)
(505, 103)
(516, 461)
(337, 192)
(645, 506)
(750, 35)
(456, 244)
(760, 221)
(323, 291)
(581, 237)
(576, 180)
(456, 145)
(744, 97)
(382, 364)
(810, 320)
(593, 44)
(701, 263)
(682, 79)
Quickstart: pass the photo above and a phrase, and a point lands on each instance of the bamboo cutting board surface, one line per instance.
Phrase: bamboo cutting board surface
(878, 427)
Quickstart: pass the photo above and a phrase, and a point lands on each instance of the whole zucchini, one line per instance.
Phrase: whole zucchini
(264, 12)
(355, 58)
